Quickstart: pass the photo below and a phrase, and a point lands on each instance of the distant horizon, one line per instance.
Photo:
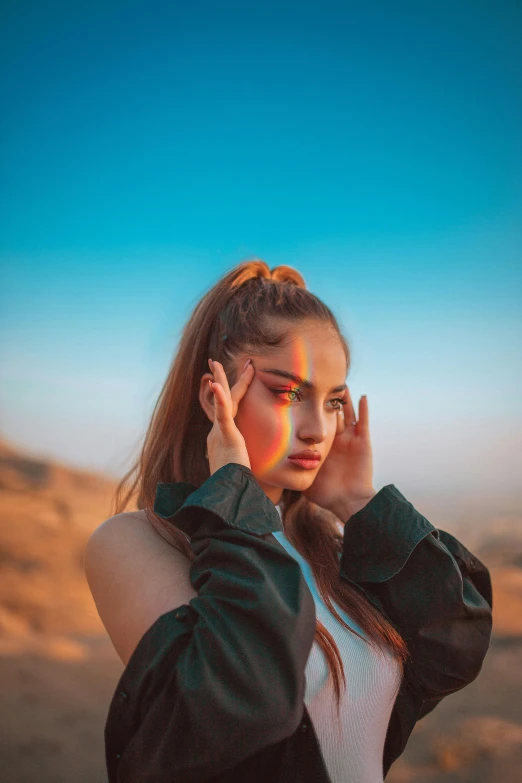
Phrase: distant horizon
(455, 501)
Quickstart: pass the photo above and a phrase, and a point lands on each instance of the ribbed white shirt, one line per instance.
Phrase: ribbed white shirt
(353, 747)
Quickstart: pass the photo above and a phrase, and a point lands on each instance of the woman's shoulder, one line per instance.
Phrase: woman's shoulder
(135, 576)
(136, 524)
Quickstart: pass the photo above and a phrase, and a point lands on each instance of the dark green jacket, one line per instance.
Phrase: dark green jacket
(214, 689)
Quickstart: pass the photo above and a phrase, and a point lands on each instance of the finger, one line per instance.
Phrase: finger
(221, 405)
(221, 377)
(349, 411)
(364, 424)
(239, 389)
(341, 423)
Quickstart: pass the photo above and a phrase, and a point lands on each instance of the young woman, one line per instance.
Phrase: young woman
(279, 619)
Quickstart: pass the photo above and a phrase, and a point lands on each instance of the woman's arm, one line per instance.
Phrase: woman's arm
(134, 576)
(215, 680)
(436, 593)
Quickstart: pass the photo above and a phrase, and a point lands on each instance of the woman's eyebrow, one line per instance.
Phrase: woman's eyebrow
(301, 381)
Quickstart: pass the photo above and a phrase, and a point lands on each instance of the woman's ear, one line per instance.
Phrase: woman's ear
(206, 395)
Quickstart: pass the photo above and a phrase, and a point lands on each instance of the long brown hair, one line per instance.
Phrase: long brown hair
(244, 312)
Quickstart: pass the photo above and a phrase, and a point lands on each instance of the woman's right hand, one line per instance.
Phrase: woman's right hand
(225, 443)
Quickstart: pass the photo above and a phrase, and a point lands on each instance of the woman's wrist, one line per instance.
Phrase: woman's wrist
(344, 508)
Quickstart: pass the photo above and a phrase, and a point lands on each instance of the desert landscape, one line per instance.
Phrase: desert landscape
(58, 669)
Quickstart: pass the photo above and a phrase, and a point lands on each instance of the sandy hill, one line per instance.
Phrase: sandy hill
(48, 512)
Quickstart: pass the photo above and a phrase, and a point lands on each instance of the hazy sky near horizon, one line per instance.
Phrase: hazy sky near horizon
(147, 148)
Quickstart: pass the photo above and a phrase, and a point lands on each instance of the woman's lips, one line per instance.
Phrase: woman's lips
(307, 464)
(306, 454)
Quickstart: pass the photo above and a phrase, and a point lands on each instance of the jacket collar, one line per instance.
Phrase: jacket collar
(170, 496)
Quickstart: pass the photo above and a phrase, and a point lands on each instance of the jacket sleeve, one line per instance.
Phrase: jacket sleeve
(432, 589)
(216, 680)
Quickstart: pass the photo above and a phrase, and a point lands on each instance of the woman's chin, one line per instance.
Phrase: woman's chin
(290, 478)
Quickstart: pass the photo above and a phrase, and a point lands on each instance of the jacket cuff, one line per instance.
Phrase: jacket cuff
(379, 538)
(232, 495)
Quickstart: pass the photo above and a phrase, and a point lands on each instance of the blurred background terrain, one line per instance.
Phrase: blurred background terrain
(58, 669)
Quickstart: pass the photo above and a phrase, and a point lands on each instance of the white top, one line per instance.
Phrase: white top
(353, 748)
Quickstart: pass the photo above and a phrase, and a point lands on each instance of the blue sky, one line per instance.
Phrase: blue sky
(149, 147)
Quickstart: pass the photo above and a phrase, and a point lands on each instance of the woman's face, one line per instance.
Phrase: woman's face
(279, 416)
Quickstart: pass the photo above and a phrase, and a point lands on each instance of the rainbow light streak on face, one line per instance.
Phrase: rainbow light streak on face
(300, 365)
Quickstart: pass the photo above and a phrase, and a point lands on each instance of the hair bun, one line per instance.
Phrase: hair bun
(287, 274)
(256, 268)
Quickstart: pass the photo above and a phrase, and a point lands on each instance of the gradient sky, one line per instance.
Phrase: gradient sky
(147, 148)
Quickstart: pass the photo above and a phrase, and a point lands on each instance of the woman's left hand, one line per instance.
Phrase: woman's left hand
(344, 482)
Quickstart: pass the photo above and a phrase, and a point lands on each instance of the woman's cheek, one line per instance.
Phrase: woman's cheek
(260, 426)
(248, 419)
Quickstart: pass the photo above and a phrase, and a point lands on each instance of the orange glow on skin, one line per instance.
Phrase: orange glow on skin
(299, 365)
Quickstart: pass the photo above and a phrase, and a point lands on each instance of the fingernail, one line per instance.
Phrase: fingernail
(210, 384)
(211, 364)
(246, 364)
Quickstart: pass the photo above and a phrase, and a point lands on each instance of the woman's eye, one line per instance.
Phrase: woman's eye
(287, 391)
(298, 392)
